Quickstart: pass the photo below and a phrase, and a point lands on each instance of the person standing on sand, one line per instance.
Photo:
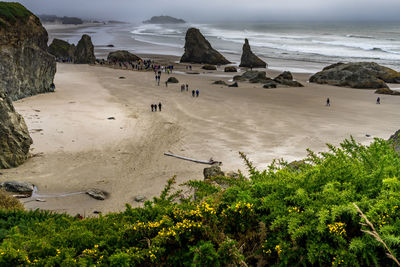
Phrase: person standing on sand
(166, 83)
(328, 102)
(378, 100)
(187, 87)
(197, 93)
(152, 108)
(159, 106)
(193, 93)
(155, 107)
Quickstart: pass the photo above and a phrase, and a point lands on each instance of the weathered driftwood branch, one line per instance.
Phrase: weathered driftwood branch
(375, 235)
(210, 162)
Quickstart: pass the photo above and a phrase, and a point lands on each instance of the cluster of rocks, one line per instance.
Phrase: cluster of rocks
(362, 75)
(221, 82)
(284, 79)
(82, 53)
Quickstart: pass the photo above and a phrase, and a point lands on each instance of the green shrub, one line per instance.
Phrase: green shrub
(282, 216)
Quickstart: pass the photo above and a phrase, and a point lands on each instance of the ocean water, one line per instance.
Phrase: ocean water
(308, 42)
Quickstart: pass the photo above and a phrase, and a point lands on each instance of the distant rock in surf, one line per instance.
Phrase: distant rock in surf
(249, 59)
(84, 53)
(122, 56)
(199, 50)
(26, 68)
(362, 75)
(164, 20)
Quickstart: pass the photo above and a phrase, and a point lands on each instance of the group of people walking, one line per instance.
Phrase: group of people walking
(186, 87)
(154, 107)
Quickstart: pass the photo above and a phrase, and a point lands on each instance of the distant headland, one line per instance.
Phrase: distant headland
(163, 20)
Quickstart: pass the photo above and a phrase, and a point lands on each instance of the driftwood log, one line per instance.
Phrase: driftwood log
(209, 162)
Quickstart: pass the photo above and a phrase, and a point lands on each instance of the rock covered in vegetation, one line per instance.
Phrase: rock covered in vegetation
(14, 135)
(362, 75)
(17, 187)
(395, 139)
(212, 171)
(26, 67)
(230, 69)
(122, 56)
(84, 53)
(209, 67)
(62, 49)
(172, 80)
(249, 59)
(199, 50)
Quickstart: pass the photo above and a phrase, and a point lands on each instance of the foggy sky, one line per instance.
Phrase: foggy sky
(221, 10)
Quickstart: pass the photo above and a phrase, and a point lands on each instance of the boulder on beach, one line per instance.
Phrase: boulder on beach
(235, 84)
(14, 135)
(362, 75)
(122, 56)
(199, 50)
(84, 52)
(62, 49)
(249, 59)
(230, 69)
(387, 91)
(97, 194)
(17, 187)
(212, 171)
(286, 78)
(220, 82)
(26, 68)
(172, 80)
(209, 67)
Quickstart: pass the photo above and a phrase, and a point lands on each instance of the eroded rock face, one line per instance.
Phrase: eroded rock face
(14, 135)
(122, 56)
(199, 50)
(84, 53)
(26, 67)
(362, 75)
(249, 59)
(62, 49)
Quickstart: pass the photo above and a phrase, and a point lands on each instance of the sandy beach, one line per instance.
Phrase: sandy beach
(77, 147)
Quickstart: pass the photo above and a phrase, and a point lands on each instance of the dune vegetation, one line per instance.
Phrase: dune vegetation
(306, 214)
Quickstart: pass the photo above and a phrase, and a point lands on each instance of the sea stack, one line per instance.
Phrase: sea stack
(26, 68)
(199, 50)
(14, 135)
(249, 59)
(62, 49)
(84, 53)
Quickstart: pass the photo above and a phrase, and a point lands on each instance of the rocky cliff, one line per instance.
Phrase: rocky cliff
(249, 59)
(362, 75)
(84, 52)
(26, 67)
(199, 50)
(14, 136)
